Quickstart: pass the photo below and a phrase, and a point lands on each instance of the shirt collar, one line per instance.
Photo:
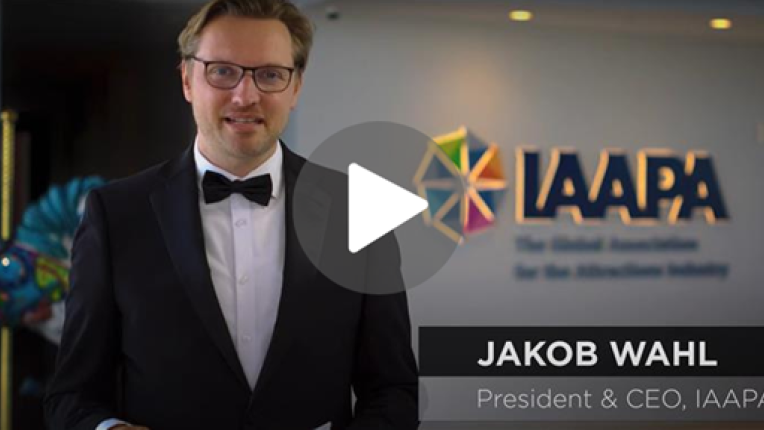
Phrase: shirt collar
(273, 166)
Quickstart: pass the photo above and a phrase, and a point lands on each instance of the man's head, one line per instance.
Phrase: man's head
(240, 120)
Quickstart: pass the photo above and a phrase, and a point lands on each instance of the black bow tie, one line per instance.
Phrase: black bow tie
(217, 187)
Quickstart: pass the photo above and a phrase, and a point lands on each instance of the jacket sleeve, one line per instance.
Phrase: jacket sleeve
(385, 378)
(83, 390)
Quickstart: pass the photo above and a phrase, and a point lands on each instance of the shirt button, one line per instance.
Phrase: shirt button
(246, 338)
(243, 280)
(241, 223)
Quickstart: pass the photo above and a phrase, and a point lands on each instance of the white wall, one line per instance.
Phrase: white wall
(550, 86)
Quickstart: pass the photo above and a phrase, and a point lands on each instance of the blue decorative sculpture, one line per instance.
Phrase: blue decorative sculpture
(34, 267)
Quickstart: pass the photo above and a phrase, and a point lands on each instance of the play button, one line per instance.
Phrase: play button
(377, 206)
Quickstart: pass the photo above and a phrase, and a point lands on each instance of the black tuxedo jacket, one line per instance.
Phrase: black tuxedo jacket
(145, 339)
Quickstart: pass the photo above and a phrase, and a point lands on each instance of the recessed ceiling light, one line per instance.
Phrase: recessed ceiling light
(720, 24)
(521, 15)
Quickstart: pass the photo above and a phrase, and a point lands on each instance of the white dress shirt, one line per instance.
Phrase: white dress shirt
(245, 244)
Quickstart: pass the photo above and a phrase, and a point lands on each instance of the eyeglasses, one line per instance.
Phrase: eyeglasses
(225, 76)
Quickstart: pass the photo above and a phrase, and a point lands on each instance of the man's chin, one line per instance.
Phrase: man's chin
(253, 150)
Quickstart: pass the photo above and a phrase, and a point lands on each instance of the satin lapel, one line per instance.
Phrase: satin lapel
(177, 209)
(299, 272)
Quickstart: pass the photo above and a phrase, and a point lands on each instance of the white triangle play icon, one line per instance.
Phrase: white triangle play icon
(376, 206)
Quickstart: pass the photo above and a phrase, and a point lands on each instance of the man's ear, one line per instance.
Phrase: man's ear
(185, 77)
(297, 89)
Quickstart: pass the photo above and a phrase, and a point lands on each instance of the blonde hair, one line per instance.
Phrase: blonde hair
(299, 26)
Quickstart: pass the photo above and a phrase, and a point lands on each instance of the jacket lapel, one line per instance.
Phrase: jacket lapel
(176, 206)
(299, 271)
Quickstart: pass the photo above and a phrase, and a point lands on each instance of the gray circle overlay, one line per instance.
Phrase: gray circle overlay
(399, 260)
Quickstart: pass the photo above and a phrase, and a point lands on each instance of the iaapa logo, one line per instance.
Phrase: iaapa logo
(463, 181)
(461, 178)
(684, 184)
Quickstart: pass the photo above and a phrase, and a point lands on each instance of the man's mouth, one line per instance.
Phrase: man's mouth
(233, 120)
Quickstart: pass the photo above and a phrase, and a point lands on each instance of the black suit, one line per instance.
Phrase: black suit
(145, 339)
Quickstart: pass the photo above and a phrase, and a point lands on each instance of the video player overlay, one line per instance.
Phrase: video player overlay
(338, 210)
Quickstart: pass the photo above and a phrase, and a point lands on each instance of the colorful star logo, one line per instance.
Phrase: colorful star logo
(462, 179)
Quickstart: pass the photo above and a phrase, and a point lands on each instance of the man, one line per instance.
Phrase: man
(192, 304)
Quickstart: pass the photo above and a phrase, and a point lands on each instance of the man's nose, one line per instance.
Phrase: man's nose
(246, 93)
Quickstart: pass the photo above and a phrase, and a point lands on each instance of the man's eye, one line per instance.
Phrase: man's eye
(272, 74)
(221, 70)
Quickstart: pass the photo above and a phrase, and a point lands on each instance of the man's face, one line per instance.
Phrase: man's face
(243, 123)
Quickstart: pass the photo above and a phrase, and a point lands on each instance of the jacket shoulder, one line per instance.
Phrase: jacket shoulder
(140, 185)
